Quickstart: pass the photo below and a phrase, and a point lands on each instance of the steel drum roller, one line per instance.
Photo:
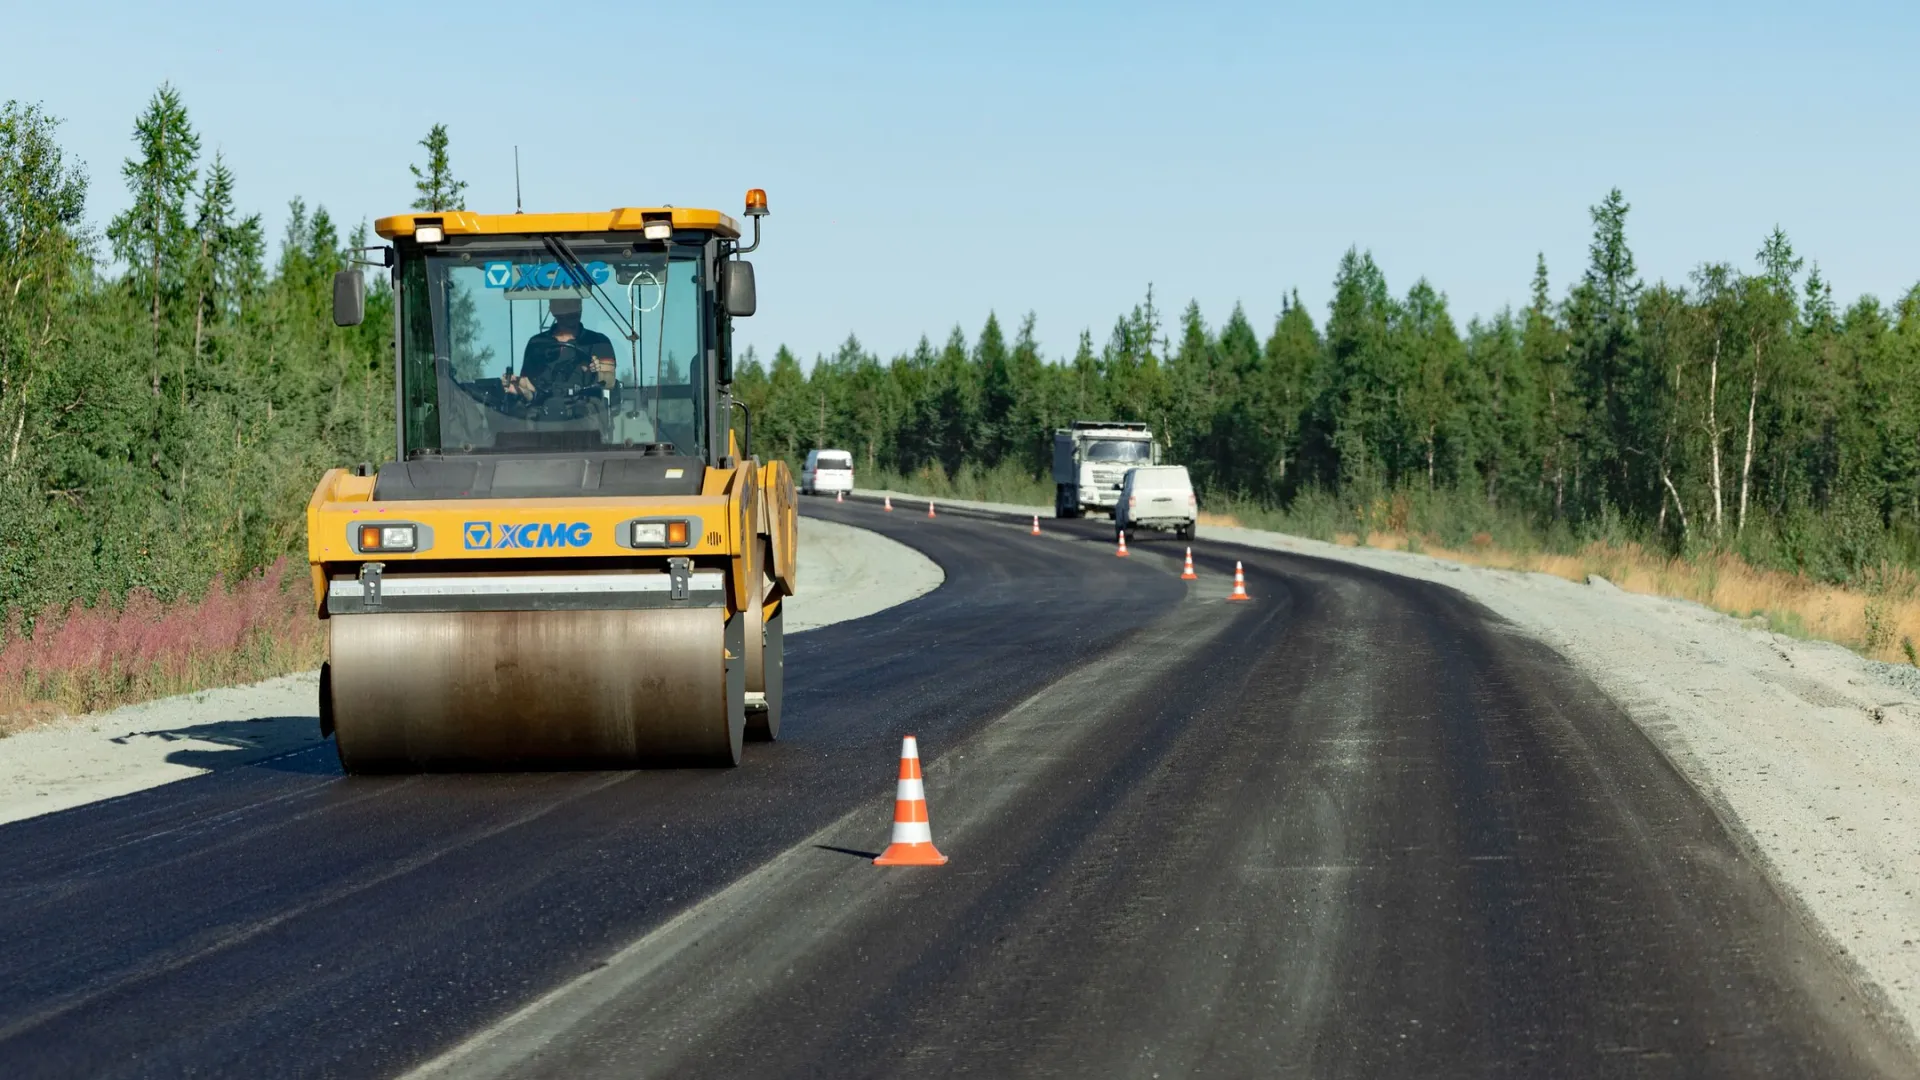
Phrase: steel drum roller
(537, 689)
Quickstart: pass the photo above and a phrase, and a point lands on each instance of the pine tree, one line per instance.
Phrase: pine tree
(226, 259)
(951, 410)
(1184, 424)
(1355, 432)
(1608, 372)
(1510, 416)
(780, 427)
(997, 393)
(1816, 308)
(1770, 318)
(1544, 352)
(1438, 397)
(1029, 443)
(152, 236)
(1289, 370)
(434, 186)
(1088, 397)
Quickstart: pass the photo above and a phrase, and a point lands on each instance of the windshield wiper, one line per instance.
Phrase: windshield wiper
(564, 254)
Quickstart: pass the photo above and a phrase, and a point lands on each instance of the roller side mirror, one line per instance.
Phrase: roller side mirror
(349, 298)
(736, 288)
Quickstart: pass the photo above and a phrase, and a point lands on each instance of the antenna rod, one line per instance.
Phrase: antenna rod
(516, 180)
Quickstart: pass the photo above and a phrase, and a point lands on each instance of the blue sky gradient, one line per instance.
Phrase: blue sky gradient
(927, 166)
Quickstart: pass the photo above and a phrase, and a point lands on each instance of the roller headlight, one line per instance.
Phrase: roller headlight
(387, 538)
(653, 534)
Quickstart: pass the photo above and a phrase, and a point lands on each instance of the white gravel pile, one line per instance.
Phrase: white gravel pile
(848, 573)
(1809, 752)
(845, 573)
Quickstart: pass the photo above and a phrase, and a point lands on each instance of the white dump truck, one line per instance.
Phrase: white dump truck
(1091, 458)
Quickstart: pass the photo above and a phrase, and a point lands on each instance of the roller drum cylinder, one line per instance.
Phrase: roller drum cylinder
(537, 689)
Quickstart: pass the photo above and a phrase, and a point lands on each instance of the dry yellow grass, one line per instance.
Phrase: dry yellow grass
(1881, 621)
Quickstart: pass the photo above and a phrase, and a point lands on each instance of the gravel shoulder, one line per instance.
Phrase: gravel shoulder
(845, 573)
(1809, 752)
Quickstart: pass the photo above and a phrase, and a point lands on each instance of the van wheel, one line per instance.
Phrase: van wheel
(1185, 532)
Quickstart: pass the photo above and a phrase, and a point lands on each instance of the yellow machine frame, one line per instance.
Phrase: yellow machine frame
(744, 522)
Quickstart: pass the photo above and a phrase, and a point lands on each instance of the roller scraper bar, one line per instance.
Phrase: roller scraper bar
(379, 593)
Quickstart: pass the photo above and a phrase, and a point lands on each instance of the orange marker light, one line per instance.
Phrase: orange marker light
(369, 537)
(676, 534)
(756, 202)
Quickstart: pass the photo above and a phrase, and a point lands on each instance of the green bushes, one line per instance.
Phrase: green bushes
(167, 415)
(1006, 482)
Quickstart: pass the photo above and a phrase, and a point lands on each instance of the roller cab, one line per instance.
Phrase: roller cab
(572, 561)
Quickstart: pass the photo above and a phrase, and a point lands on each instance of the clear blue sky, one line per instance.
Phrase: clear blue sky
(928, 163)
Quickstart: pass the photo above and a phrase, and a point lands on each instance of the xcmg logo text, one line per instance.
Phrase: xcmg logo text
(491, 536)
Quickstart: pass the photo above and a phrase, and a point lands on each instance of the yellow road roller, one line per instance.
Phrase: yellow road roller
(573, 561)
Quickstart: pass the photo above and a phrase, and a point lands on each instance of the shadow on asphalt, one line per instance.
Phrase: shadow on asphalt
(848, 851)
(271, 742)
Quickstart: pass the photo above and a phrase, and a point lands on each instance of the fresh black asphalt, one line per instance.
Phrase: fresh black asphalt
(1368, 831)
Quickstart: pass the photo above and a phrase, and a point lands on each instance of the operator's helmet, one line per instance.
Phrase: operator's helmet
(562, 307)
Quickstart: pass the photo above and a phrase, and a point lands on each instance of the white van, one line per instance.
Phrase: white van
(827, 471)
(1156, 497)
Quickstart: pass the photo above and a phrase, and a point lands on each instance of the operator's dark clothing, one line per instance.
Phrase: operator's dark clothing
(557, 366)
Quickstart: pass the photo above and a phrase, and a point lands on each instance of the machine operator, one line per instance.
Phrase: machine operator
(564, 356)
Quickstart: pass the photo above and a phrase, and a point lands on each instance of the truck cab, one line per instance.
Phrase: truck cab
(1091, 458)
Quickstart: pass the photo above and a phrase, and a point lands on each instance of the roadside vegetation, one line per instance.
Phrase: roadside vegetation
(1876, 612)
(170, 389)
(171, 386)
(1004, 483)
(84, 657)
(1739, 438)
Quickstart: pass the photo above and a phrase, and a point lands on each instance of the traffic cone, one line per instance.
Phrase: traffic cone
(1239, 584)
(929, 507)
(889, 507)
(839, 496)
(1123, 543)
(912, 835)
(1036, 525)
(1188, 574)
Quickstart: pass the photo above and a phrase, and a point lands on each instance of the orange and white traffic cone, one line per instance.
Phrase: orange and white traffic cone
(1122, 552)
(1239, 584)
(1036, 525)
(929, 507)
(912, 834)
(889, 505)
(839, 496)
(1188, 574)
